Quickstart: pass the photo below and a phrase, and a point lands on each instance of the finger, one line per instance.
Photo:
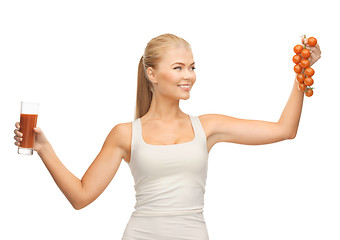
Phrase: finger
(317, 47)
(17, 144)
(18, 133)
(314, 52)
(315, 56)
(314, 49)
(18, 139)
(313, 59)
(17, 125)
(37, 130)
(319, 56)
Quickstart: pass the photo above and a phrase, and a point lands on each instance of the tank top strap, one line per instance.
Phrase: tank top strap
(200, 134)
(136, 132)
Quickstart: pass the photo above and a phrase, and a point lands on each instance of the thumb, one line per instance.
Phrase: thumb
(37, 130)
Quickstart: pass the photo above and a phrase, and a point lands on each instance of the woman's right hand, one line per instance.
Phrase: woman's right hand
(40, 139)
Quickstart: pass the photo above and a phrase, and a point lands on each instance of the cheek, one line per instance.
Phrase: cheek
(194, 77)
(170, 77)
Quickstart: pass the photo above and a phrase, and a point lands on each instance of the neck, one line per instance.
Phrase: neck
(164, 109)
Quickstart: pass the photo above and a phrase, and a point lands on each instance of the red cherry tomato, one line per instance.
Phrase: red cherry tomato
(297, 68)
(312, 41)
(309, 72)
(302, 87)
(304, 63)
(309, 92)
(296, 59)
(298, 48)
(300, 77)
(305, 53)
(309, 81)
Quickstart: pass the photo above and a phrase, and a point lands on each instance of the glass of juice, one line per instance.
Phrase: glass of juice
(28, 121)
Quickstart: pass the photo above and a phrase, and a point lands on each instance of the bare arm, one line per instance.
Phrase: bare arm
(82, 192)
(290, 117)
(254, 132)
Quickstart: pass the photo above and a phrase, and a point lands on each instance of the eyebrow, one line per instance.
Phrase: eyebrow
(182, 63)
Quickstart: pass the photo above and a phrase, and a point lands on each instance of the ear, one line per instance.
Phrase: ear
(151, 74)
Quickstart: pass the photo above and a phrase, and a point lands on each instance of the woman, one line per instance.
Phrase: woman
(166, 149)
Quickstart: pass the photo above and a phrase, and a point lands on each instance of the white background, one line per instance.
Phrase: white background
(79, 60)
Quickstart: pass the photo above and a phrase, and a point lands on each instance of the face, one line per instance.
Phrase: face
(176, 68)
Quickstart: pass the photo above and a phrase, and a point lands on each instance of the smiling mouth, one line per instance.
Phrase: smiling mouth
(184, 87)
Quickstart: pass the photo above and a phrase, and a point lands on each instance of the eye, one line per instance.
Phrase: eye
(180, 68)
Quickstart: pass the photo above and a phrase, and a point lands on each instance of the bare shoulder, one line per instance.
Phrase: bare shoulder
(125, 133)
(215, 123)
(208, 122)
(122, 133)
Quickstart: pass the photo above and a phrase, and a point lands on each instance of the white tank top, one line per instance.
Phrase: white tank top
(169, 179)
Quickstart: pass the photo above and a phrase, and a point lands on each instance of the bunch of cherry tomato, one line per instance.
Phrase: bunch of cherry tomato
(302, 67)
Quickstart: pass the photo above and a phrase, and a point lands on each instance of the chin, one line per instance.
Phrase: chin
(185, 98)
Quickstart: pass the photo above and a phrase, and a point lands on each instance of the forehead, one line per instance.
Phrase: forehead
(177, 54)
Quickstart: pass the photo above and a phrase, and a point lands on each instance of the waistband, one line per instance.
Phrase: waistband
(167, 213)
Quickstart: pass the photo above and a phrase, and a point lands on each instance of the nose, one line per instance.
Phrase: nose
(188, 74)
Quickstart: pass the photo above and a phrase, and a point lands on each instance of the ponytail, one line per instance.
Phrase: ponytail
(144, 93)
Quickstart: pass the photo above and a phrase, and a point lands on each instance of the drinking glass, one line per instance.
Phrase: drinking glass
(28, 121)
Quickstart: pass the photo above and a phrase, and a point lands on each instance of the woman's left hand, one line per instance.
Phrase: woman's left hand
(315, 53)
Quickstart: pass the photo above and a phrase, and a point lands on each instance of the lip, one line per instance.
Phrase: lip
(185, 89)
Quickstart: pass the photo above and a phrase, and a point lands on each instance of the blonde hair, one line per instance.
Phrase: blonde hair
(152, 56)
